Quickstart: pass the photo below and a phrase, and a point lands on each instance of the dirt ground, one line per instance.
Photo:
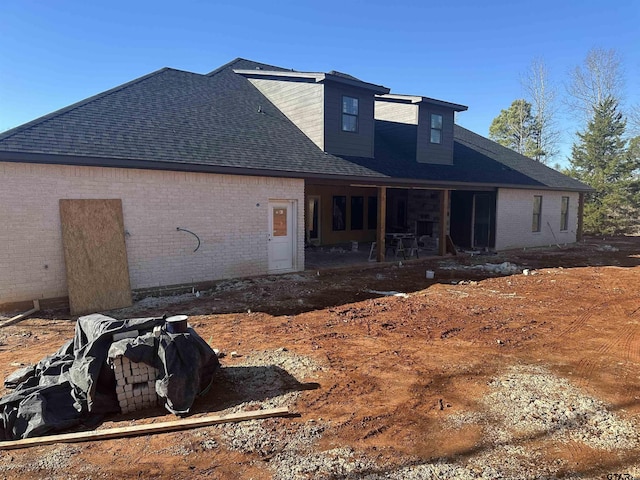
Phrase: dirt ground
(529, 373)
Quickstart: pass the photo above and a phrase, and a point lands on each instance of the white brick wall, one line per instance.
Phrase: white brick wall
(514, 217)
(221, 209)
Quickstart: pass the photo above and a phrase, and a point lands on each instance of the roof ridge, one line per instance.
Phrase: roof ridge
(241, 59)
(49, 116)
(226, 65)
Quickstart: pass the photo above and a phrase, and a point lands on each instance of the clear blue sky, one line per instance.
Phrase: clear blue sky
(54, 53)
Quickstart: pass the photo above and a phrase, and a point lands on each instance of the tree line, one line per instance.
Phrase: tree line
(605, 153)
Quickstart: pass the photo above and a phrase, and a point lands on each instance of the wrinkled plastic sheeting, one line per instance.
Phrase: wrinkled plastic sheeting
(187, 366)
(76, 386)
(185, 361)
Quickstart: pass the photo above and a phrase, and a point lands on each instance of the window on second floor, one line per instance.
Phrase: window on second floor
(436, 128)
(564, 214)
(537, 213)
(349, 114)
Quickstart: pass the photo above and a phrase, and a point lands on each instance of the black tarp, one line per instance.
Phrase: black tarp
(76, 386)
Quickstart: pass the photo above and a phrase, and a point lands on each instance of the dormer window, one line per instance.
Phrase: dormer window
(436, 128)
(349, 114)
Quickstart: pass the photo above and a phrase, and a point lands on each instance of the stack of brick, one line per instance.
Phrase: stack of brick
(135, 384)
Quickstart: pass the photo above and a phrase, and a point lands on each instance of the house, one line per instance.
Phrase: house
(231, 173)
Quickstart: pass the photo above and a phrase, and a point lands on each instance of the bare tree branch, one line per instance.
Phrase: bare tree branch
(600, 76)
(541, 93)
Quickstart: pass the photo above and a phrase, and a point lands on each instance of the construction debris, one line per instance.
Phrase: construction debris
(93, 375)
(22, 316)
(505, 268)
(607, 248)
(144, 429)
(135, 384)
(391, 293)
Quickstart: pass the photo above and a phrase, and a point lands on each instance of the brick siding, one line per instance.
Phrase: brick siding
(228, 213)
(514, 218)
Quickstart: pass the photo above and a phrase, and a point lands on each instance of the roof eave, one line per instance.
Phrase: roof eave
(416, 99)
(377, 89)
(114, 162)
(314, 76)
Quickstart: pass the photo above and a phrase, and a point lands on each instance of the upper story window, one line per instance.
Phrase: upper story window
(349, 114)
(536, 223)
(436, 128)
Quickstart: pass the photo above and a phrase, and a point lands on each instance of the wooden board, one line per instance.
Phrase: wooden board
(22, 316)
(148, 429)
(451, 248)
(95, 255)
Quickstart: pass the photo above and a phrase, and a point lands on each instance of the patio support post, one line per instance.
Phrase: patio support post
(382, 227)
(444, 214)
(580, 215)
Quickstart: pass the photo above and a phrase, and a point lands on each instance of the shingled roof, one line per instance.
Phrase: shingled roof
(476, 161)
(173, 119)
(219, 122)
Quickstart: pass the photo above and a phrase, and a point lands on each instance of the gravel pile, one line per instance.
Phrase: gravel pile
(297, 365)
(152, 303)
(289, 446)
(267, 379)
(525, 403)
(54, 462)
(330, 464)
(240, 284)
(530, 401)
(433, 471)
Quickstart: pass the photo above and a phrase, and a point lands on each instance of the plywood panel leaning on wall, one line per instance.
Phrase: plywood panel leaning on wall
(95, 255)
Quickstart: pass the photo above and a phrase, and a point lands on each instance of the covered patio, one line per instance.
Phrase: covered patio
(393, 222)
(343, 255)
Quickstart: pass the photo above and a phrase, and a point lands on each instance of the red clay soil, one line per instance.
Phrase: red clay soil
(395, 368)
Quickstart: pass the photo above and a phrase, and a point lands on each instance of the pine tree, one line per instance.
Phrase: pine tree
(600, 158)
(518, 129)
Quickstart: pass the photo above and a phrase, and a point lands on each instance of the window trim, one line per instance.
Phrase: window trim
(350, 115)
(536, 220)
(436, 129)
(564, 214)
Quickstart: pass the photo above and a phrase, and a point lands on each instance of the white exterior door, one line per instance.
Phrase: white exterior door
(281, 239)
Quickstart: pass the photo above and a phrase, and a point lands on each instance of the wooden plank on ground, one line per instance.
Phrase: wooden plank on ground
(148, 429)
(22, 316)
(95, 255)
